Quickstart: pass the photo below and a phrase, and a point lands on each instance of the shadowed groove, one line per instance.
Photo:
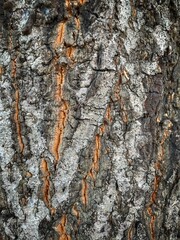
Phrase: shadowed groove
(16, 119)
(78, 23)
(46, 182)
(85, 191)
(60, 82)
(157, 179)
(13, 68)
(94, 169)
(70, 52)
(1, 71)
(76, 213)
(61, 229)
(59, 130)
(60, 34)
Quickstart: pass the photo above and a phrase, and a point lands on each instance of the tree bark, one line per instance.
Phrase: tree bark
(89, 122)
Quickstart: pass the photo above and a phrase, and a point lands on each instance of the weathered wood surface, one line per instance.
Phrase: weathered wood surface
(89, 106)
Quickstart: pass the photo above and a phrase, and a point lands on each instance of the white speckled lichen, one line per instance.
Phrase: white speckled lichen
(89, 120)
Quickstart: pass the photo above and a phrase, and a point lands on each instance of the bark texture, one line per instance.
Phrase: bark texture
(89, 104)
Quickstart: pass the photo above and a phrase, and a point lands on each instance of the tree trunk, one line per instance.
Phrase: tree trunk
(89, 105)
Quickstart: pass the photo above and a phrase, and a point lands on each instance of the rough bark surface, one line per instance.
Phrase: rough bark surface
(89, 107)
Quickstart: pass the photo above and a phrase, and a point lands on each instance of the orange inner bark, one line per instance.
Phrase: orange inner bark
(61, 229)
(16, 119)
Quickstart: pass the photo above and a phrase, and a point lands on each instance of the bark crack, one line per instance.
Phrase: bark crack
(94, 168)
(61, 229)
(157, 179)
